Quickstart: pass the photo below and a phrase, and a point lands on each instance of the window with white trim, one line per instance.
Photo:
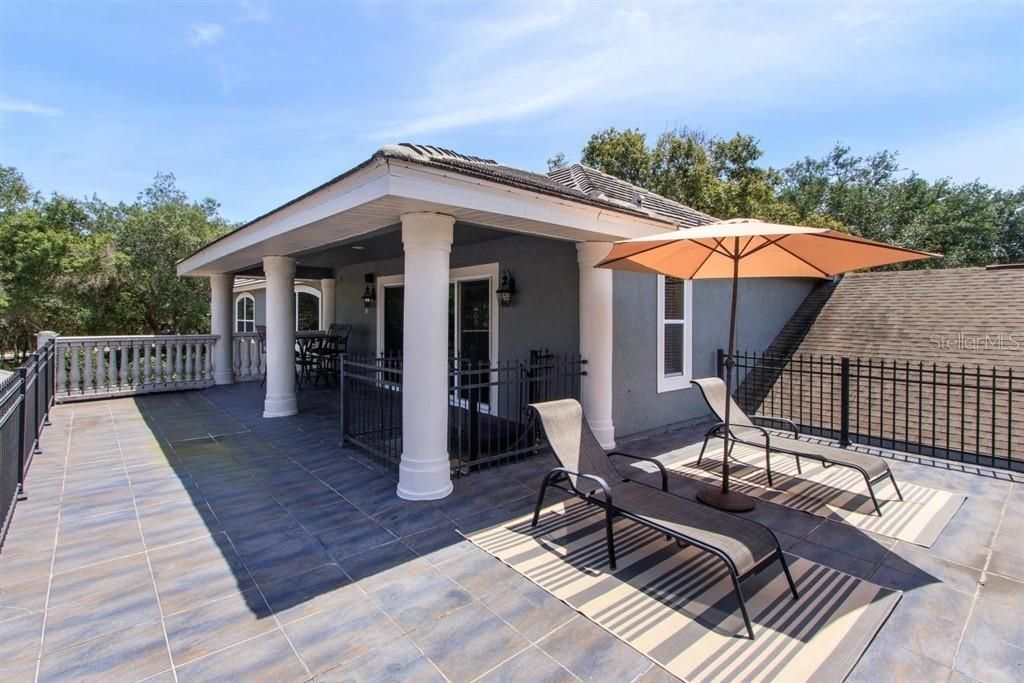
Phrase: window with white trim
(675, 333)
(245, 313)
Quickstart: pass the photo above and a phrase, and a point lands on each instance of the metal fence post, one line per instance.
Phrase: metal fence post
(341, 392)
(844, 402)
(22, 429)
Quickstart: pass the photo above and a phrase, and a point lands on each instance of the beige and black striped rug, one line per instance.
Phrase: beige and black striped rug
(837, 493)
(676, 605)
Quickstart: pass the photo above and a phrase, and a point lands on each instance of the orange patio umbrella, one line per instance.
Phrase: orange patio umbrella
(744, 247)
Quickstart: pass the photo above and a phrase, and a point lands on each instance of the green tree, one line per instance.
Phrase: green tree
(970, 223)
(149, 236)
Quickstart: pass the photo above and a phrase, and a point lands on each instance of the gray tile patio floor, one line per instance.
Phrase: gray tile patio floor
(183, 537)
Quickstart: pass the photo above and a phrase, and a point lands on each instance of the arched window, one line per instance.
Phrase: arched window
(245, 313)
(307, 308)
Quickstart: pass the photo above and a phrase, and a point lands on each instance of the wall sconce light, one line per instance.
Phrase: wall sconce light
(370, 293)
(507, 288)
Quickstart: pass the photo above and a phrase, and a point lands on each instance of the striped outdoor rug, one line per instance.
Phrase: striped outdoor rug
(834, 492)
(676, 605)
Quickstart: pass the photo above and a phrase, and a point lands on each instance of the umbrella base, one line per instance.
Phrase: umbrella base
(731, 501)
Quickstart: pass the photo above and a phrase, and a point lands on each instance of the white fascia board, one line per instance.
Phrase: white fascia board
(438, 186)
(363, 186)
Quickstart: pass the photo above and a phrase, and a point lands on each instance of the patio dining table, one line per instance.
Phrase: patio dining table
(306, 342)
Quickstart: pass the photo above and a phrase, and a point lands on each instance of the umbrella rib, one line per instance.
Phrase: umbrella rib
(767, 243)
(696, 270)
(862, 240)
(801, 258)
(659, 246)
(744, 249)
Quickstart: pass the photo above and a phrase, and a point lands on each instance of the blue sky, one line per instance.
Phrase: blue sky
(253, 103)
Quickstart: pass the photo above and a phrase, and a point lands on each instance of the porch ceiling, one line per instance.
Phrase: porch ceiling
(375, 196)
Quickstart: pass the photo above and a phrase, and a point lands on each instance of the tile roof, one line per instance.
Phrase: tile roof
(600, 185)
(577, 182)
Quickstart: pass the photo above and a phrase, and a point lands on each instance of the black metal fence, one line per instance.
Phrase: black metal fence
(488, 420)
(25, 400)
(956, 412)
(371, 406)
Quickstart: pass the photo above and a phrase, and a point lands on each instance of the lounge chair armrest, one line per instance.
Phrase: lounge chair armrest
(790, 425)
(591, 477)
(660, 464)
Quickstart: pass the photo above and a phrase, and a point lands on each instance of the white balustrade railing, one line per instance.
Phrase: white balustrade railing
(250, 359)
(89, 367)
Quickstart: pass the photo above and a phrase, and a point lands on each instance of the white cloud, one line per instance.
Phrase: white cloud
(26, 107)
(541, 58)
(205, 34)
(255, 10)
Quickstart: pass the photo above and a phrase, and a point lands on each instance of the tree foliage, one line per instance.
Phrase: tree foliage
(972, 224)
(88, 267)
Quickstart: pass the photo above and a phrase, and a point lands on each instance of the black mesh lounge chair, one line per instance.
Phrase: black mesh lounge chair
(744, 430)
(587, 472)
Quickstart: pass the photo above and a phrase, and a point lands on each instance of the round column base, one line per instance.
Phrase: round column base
(730, 502)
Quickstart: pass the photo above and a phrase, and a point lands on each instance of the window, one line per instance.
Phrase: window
(245, 313)
(307, 308)
(675, 352)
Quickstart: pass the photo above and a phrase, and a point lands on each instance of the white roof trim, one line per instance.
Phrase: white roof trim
(422, 188)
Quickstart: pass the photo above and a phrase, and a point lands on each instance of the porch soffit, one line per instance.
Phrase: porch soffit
(375, 197)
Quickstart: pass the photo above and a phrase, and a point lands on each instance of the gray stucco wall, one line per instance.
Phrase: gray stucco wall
(764, 307)
(544, 312)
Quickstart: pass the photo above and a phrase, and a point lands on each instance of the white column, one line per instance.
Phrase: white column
(280, 399)
(596, 329)
(327, 286)
(424, 472)
(222, 324)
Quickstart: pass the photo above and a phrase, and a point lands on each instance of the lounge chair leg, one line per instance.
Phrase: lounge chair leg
(768, 465)
(703, 448)
(894, 485)
(743, 604)
(798, 470)
(540, 498)
(872, 492)
(608, 514)
(789, 577)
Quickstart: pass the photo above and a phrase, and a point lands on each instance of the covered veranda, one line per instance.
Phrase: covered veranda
(402, 198)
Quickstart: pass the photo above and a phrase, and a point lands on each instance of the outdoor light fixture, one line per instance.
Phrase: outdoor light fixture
(507, 288)
(369, 294)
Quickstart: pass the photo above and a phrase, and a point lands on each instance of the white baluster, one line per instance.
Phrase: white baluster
(76, 373)
(147, 365)
(257, 358)
(124, 364)
(61, 369)
(208, 361)
(188, 361)
(160, 358)
(100, 375)
(177, 362)
(112, 366)
(244, 360)
(136, 363)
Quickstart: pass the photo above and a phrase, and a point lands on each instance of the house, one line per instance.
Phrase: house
(417, 239)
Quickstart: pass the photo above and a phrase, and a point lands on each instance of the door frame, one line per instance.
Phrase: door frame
(489, 271)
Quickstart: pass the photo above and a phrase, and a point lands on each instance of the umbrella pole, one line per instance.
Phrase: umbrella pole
(723, 498)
